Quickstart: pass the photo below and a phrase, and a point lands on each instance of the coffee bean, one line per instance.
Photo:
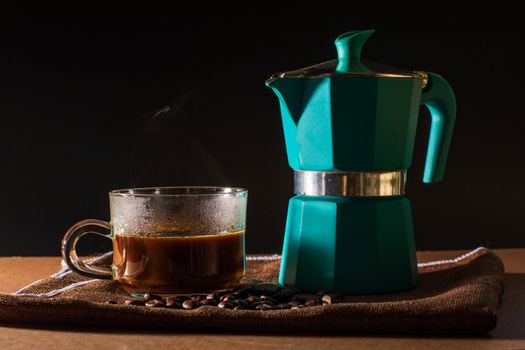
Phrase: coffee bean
(110, 302)
(191, 304)
(295, 307)
(173, 303)
(327, 299)
(262, 302)
(299, 298)
(210, 302)
(243, 290)
(283, 306)
(312, 302)
(134, 302)
(198, 297)
(266, 297)
(267, 302)
(154, 303)
(213, 296)
(226, 305)
(332, 298)
(149, 296)
(263, 306)
(252, 298)
(228, 297)
(188, 304)
(222, 292)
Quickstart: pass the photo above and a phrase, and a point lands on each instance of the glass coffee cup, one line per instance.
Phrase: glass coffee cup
(169, 240)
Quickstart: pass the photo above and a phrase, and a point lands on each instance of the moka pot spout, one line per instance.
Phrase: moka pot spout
(289, 92)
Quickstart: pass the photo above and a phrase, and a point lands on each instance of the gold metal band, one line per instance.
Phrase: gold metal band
(306, 74)
(327, 69)
(350, 184)
(424, 78)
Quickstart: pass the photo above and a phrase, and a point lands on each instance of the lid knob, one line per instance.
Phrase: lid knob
(349, 47)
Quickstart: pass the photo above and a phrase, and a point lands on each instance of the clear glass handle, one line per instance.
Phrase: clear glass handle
(69, 253)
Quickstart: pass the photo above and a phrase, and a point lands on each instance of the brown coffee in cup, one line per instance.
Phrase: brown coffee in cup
(179, 262)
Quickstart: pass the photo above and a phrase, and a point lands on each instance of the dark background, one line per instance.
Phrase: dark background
(79, 96)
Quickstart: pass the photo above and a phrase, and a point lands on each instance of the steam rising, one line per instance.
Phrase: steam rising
(170, 149)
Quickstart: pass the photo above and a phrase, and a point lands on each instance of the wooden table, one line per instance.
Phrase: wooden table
(16, 272)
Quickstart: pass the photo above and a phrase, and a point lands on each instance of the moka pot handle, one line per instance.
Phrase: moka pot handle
(439, 98)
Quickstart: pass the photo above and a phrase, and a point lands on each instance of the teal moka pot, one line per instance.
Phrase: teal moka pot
(349, 130)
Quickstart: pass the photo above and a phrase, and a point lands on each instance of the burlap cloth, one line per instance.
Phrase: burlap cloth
(454, 296)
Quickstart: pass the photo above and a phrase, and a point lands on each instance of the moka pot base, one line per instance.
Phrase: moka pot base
(349, 232)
